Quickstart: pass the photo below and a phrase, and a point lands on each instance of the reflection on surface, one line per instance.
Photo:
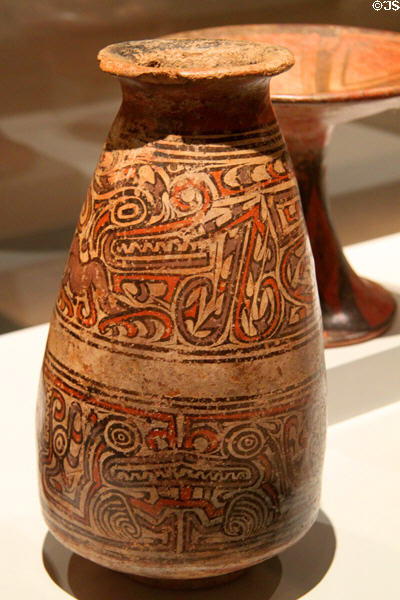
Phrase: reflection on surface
(286, 577)
(363, 385)
(369, 382)
(394, 328)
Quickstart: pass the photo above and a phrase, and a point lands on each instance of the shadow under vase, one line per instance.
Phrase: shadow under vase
(287, 576)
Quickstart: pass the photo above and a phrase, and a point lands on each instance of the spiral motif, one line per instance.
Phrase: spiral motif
(245, 442)
(130, 210)
(113, 517)
(122, 437)
(191, 194)
(247, 515)
(60, 441)
(58, 406)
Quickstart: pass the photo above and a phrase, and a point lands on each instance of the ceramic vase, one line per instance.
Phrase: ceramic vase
(181, 420)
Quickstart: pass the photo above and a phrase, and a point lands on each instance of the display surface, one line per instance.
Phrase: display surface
(341, 74)
(181, 419)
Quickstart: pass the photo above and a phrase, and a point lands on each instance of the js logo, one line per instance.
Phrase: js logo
(386, 5)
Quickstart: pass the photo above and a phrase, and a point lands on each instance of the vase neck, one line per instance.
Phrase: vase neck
(198, 107)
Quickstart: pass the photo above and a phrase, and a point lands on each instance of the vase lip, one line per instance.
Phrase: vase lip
(181, 60)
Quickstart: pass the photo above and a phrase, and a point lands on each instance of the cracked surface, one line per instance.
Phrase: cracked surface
(186, 59)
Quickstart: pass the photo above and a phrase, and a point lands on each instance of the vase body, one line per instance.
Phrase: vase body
(181, 419)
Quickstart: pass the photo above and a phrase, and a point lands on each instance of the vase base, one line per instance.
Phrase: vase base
(189, 584)
(336, 339)
(371, 294)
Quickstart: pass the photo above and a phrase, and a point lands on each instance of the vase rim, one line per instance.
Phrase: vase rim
(179, 60)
